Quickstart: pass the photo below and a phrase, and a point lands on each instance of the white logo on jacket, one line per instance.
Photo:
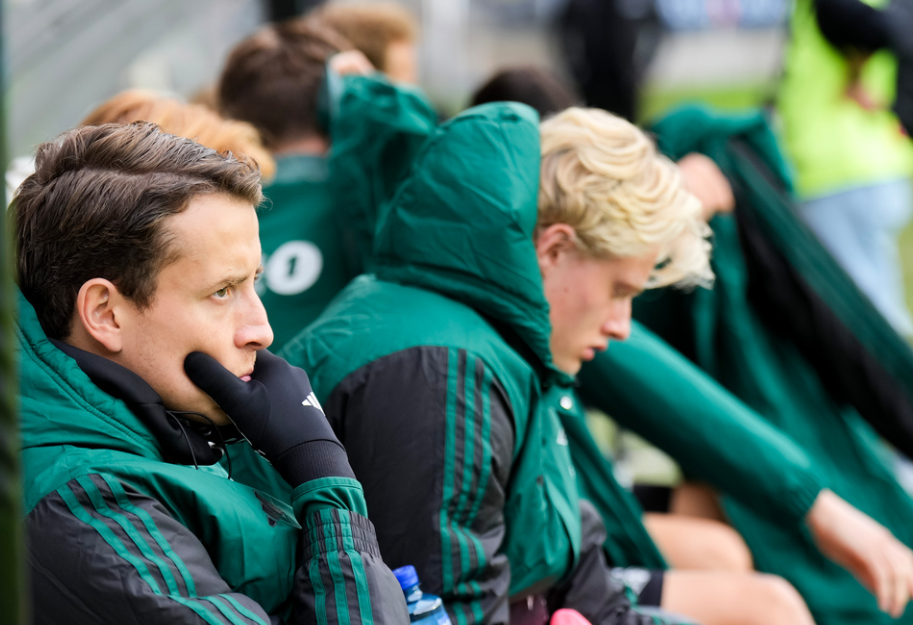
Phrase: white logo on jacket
(311, 401)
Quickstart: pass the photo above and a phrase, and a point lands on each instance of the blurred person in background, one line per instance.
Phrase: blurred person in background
(852, 159)
(385, 32)
(192, 121)
(534, 86)
(607, 45)
(278, 80)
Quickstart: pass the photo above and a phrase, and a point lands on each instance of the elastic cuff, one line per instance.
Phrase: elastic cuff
(798, 500)
(314, 460)
(341, 493)
(338, 530)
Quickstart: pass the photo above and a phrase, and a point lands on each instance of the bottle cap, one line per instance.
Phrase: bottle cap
(406, 576)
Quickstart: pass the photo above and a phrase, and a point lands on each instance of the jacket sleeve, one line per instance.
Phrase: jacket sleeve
(102, 552)
(649, 388)
(429, 434)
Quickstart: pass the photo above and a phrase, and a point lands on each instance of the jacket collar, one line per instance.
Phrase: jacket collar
(182, 440)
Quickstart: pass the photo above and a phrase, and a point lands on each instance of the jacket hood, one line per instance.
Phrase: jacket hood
(60, 405)
(462, 224)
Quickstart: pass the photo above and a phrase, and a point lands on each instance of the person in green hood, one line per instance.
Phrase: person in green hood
(440, 371)
(142, 353)
(329, 120)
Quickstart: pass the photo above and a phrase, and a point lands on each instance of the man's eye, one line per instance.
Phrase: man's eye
(222, 293)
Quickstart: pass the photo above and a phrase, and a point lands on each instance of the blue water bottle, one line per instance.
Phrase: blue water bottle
(423, 608)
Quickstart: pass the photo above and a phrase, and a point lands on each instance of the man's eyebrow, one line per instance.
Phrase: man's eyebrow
(628, 289)
(230, 281)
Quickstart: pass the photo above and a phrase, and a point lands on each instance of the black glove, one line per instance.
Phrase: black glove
(277, 413)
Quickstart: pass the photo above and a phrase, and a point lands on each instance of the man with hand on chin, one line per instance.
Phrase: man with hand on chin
(136, 248)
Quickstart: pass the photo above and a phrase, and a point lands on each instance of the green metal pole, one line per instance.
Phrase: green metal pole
(12, 581)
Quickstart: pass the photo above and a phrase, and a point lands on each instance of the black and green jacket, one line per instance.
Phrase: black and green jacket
(122, 530)
(434, 369)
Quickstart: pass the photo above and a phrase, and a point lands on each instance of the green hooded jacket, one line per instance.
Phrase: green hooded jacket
(786, 331)
(120, 533)
(433, 370)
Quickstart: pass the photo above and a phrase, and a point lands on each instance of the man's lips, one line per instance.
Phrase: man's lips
(245, 378)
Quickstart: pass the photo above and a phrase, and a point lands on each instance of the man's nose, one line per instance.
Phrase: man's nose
(618, 323)
(254, 331)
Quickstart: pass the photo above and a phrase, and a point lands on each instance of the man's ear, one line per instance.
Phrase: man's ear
(554, 242)
(100, 312)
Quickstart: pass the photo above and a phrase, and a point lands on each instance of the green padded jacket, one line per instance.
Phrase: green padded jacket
(121, 531)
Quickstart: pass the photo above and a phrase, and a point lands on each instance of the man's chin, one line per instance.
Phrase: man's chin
(210, 413)
(569, 366)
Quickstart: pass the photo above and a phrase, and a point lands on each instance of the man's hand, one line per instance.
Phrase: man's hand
(277, 413)
(350, 62)
(703, 179)
(869, 551)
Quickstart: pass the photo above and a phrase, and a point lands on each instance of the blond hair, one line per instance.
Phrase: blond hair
(191, 121)
(602, 176)
(371, 26)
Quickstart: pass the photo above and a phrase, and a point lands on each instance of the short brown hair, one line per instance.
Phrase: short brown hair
(272, 78)
(192, 121)
(533, 86)
(96, 207)
(371, 26)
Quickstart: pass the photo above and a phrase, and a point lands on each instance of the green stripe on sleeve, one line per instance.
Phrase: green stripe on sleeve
(358, 570)
(72, 502)
(141, 543)
(449, 452)
(320, 595)
(123, 500)
(339, 581)
(485, 473)
(234, 609)
(243, 611)
(469, 414)
(109, 537)
(120, 495)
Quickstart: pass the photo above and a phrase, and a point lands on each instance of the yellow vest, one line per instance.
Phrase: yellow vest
(832, 141)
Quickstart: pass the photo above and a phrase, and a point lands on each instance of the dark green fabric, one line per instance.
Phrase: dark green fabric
(304, 260)
(722, 332)
(487, 261)
(316, 226)
(456, 267)
(376, 128)
(651, 389)
(627, 541)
